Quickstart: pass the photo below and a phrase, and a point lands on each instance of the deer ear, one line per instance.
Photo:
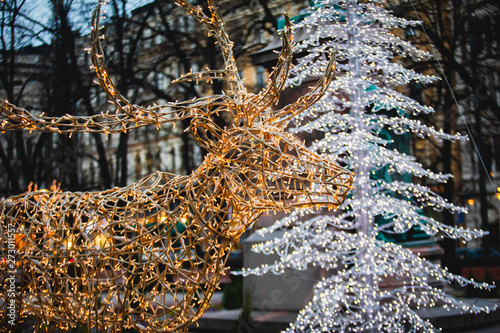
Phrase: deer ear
(206, 133)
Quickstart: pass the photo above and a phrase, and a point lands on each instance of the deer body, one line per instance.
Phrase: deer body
(150, 255)
(153, 271)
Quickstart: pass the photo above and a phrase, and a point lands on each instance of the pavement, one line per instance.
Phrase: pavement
(490, 329)
(451, 321)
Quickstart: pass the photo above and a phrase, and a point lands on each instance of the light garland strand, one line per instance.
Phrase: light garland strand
(150, 255)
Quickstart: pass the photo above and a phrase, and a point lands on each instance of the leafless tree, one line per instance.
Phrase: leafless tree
(465, 40)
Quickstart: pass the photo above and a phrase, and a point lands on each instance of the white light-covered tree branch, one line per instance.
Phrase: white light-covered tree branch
(372, 285)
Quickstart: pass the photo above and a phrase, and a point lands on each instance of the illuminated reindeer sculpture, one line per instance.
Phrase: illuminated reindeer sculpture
(150, 255)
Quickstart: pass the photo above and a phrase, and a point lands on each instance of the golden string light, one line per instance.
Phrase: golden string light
(150, 255)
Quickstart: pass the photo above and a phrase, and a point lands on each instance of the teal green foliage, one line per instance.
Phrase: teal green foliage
(401, 143)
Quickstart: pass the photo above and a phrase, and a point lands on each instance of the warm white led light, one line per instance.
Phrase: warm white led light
(150, 255)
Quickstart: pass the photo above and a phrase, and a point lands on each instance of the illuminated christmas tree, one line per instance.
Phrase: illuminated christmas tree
(363, 118)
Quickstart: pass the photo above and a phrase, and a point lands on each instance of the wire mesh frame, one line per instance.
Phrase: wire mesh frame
(150, 255)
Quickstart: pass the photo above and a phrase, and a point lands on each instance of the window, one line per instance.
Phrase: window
(158, 39)
(162, 81)
(190, 24)
(261, 82)
(138, 166)
(147, 38)
(149, 162)
(496, 153)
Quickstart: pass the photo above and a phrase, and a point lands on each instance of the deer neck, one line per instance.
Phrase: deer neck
(217, 196)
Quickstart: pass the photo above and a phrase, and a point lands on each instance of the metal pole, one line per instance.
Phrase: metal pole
(362, 171)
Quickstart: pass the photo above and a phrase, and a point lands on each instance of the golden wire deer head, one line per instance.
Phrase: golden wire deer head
(150, 255)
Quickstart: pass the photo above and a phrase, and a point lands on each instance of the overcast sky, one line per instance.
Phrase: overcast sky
(40, 10)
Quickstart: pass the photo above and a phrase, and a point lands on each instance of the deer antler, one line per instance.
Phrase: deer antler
(16, 118)
(312, 96)
(277, 79)
(215, 28)
(127, 115)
